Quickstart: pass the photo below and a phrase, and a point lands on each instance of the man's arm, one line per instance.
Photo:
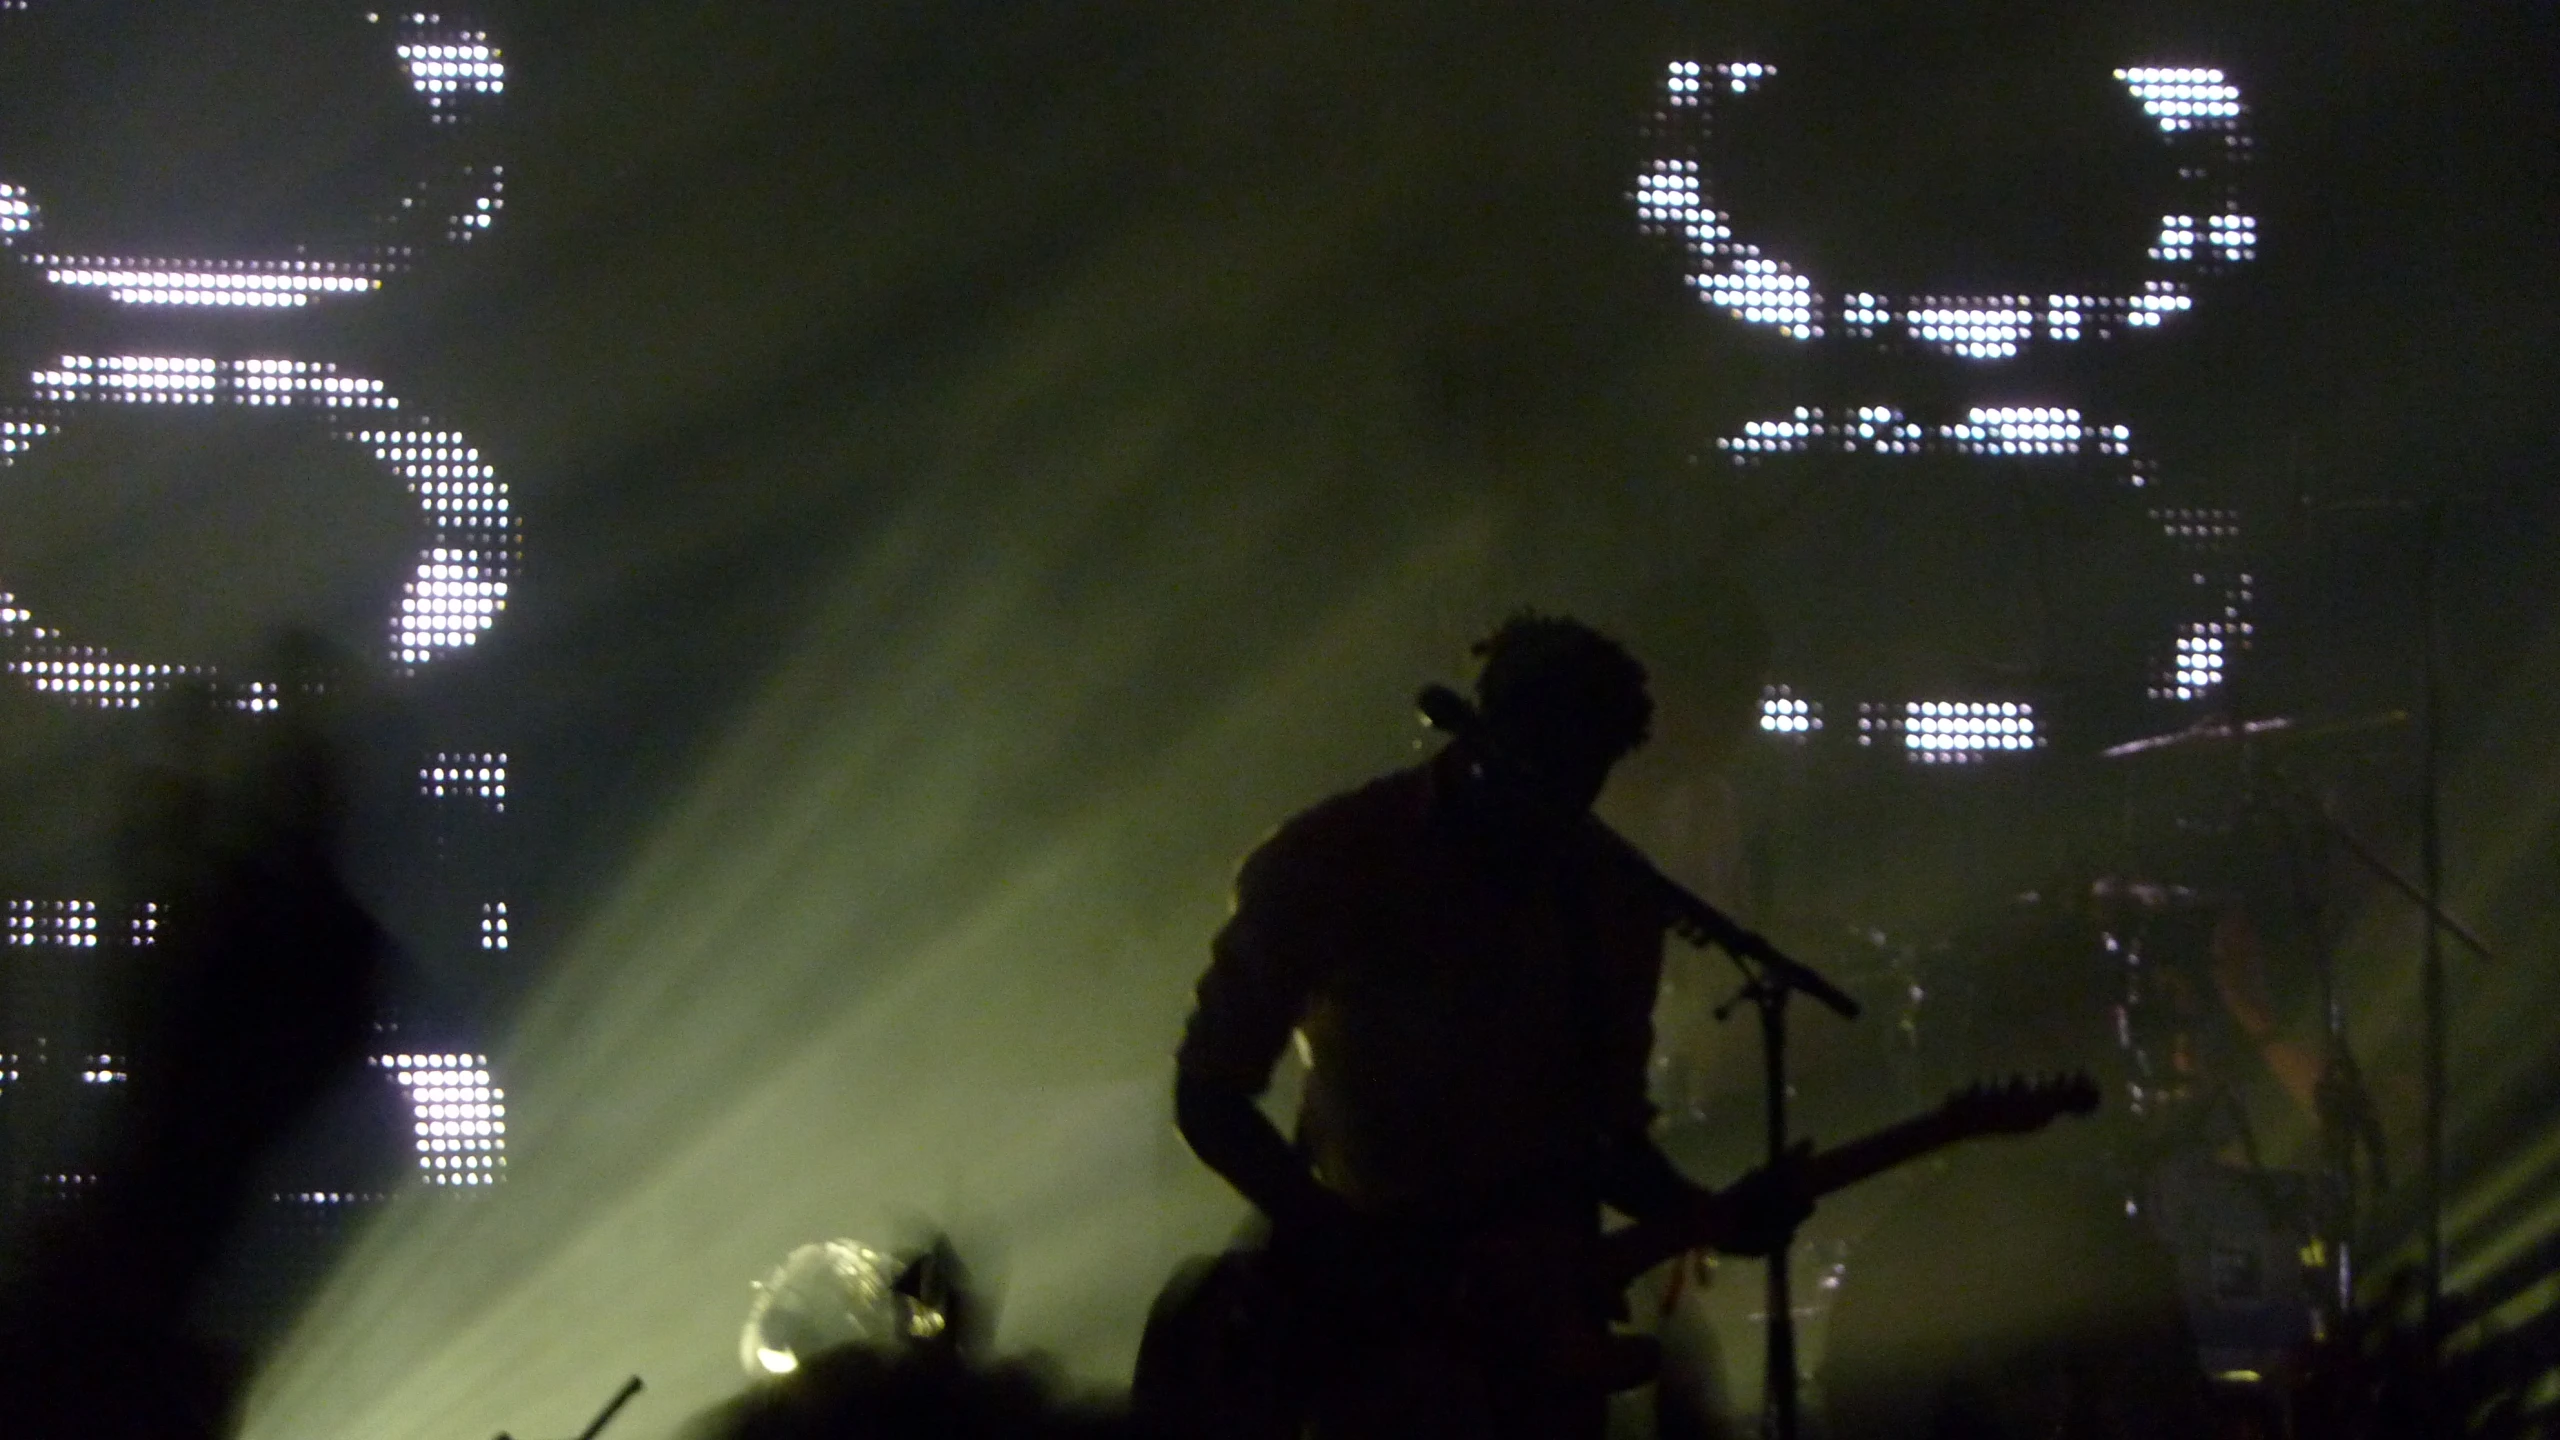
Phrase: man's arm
(1264, 965)
(1638, 1181)
(1231, 1135)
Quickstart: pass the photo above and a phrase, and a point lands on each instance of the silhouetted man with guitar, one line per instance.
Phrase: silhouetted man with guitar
(1472, 971)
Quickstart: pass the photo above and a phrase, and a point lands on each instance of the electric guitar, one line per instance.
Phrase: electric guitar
(2014, 1107)
(1538, 1297)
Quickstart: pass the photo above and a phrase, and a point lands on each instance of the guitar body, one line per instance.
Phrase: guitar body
(1261, 1344)
(1211, 1361)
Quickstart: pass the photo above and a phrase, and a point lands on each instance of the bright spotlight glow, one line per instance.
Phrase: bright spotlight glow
(2180, 97)
(845, 986)
(478, 776)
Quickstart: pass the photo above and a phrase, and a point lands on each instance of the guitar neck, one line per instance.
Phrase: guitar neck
(1629, 1252)
(1869, 1155)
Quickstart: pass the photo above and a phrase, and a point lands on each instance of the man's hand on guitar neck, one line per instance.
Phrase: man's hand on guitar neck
(1758, 1214)
(1753, 1216)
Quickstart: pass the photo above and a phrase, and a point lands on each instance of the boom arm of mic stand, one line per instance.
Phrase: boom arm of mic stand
(1700, 923)
(1688, 915)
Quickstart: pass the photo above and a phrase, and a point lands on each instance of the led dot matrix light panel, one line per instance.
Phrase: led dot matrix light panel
(2199, 113)
(454, 72)
(458, 1117)
(452, 593)
(459, 584)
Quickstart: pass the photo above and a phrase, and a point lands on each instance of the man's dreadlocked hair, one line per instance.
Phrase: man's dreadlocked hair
(1557, 685)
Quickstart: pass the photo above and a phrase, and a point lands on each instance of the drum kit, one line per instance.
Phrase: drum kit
(2086, 1285)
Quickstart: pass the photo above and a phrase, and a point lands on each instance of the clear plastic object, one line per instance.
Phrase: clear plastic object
(826, 1294)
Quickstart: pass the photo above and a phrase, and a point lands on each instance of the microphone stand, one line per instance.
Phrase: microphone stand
(1769, 977)
(1768, 995)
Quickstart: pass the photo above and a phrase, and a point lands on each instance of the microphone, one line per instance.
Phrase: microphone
(1448, 712)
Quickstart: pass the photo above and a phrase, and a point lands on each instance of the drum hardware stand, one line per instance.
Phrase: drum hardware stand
(2354, 1104)
(2431, 867)
(2428, 895)
(2349, 1126)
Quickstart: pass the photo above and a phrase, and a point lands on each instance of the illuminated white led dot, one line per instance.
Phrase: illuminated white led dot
(268, 284)
(1784, 714)
(458, 63)
(1730, 273)
(475, 775)
(454, 1109)
(17, 213)
(1953, 732)
(2183, 98)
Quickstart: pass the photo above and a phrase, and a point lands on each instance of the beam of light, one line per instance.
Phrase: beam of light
(1127, 580)
(864, 978)
(2502, 806)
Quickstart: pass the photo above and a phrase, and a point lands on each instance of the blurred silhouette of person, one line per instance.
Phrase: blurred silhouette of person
(256, 995)
(1471, 981)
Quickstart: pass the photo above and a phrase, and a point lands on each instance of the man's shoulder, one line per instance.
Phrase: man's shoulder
(1353, 827)
(1390, 808)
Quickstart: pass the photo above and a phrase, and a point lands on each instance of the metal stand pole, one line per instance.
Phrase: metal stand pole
(2432, 999)
(1778, 1387)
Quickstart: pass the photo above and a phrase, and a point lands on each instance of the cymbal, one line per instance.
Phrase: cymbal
(2216, 731)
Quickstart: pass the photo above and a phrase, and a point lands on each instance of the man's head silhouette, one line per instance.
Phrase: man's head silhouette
(1561, 699)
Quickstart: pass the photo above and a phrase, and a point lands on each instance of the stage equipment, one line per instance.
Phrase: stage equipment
(2119, 974)
(840, 1292)
(2427, 894)
(605, 1416)
(2348, 1122)
(2217, 730)
(2245, 1247)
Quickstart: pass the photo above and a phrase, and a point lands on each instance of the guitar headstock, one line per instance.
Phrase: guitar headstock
(2019, 1104)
